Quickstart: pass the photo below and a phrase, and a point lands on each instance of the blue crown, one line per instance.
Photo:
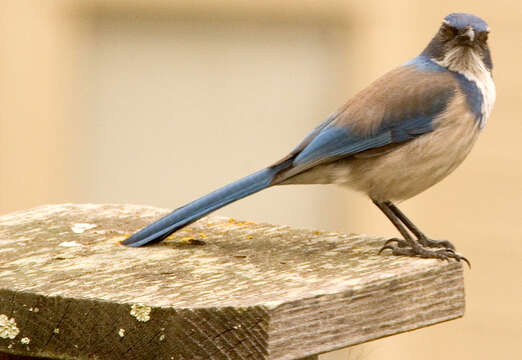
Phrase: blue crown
(462, 20)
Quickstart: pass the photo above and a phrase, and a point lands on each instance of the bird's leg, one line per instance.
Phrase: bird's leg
(408, 246)
(408, 240)
(421, 237)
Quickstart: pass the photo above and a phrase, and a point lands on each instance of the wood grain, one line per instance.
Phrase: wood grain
(221, 289)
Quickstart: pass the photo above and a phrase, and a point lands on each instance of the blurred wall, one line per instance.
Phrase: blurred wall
(158, 102)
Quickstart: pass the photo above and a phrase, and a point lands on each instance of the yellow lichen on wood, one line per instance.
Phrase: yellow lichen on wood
(140, 312)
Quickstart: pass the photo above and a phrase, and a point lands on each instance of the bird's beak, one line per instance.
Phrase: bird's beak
(467, 37)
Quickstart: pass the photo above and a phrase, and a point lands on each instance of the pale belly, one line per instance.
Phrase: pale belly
(414, 166)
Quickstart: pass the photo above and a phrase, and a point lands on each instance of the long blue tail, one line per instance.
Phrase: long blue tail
(191, 212)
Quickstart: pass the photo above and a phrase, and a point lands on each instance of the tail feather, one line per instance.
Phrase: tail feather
(195, 210)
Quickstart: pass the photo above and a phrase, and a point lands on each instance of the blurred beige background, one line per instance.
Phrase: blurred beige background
(158, 102)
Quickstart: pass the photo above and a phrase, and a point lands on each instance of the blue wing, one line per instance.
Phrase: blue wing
(334, 141)
(398, 107)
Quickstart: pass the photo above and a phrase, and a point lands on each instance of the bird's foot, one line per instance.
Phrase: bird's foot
(427, 242)
(424, 241)
(405, 248)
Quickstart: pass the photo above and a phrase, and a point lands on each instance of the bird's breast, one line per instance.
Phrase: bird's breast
(474, 79)
(485, 83)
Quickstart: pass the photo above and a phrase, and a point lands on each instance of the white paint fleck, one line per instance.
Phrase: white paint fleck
(25, 340)
(121, 332)
(140, 312)
(162, 337)
(56, 331)
(271, 305)
(8, 328)
(81, 227)
(69, 244)
(35, 309)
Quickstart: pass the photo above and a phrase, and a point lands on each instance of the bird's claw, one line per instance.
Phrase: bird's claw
(399, 242)
(447, 254)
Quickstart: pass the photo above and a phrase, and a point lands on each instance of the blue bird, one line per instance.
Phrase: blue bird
(397, 137)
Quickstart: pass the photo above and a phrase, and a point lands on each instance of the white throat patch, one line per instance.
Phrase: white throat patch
(467, 62)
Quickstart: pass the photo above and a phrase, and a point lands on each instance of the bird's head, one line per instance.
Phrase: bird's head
(460, 43)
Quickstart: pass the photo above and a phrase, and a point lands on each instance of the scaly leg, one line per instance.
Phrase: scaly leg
(423, 239)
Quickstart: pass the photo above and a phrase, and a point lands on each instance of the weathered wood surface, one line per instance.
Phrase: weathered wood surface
(221, 289)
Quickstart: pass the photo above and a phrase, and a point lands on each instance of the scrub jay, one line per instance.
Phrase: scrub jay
(400, 135)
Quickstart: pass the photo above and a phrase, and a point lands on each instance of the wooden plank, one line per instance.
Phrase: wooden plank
(221, 289)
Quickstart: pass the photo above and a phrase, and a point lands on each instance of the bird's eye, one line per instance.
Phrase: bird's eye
(448, 32)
